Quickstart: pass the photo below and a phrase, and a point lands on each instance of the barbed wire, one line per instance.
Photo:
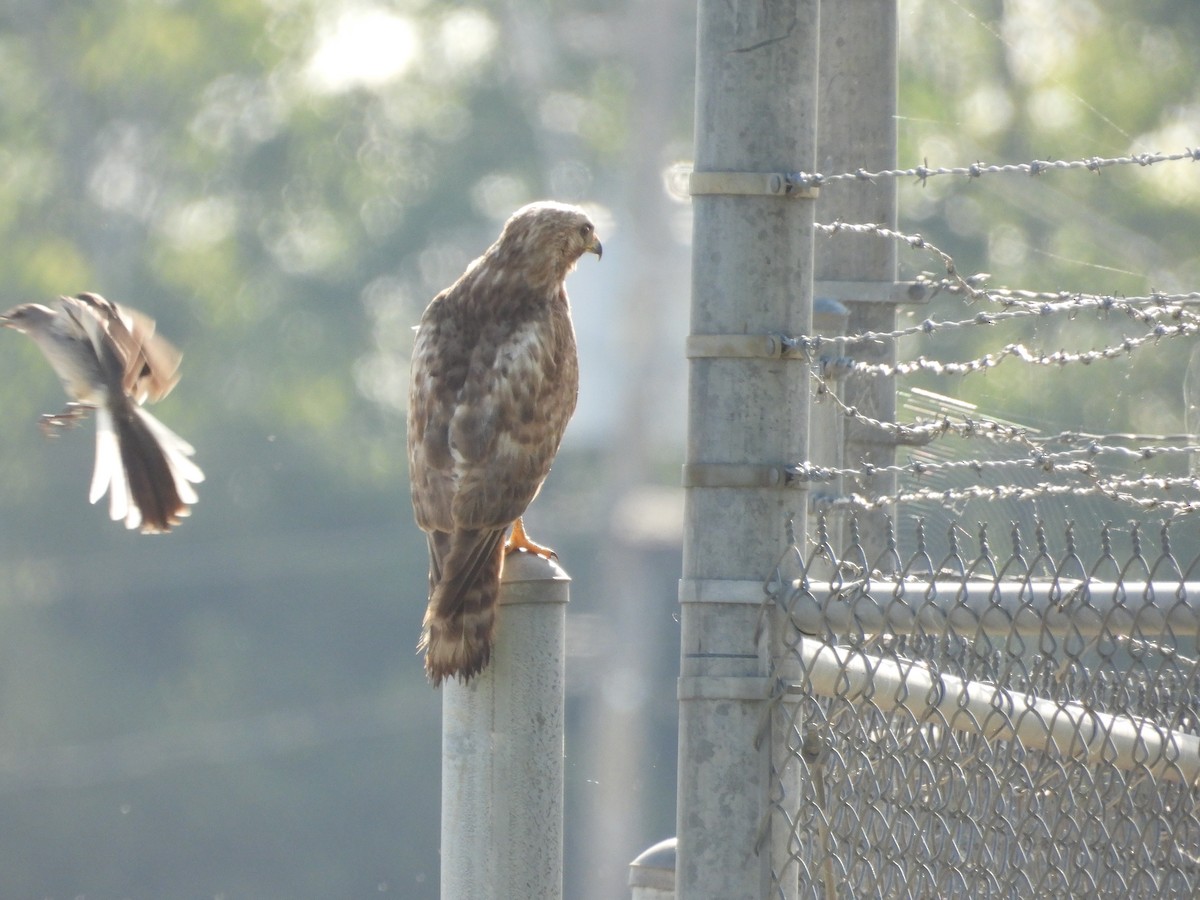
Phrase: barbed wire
(1019, 352)
(933, 285)
(1120, 491)
(915, 241)
(924, 172)
(924, 432)
(1073, 461)
(1077, 437)
(1067, 471)
(1149, 309)
(1016, 303)
(919, 431)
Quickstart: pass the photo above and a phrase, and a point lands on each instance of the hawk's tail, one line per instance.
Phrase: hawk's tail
(464, 587)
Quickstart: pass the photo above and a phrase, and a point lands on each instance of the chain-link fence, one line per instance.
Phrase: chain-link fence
(986, 723)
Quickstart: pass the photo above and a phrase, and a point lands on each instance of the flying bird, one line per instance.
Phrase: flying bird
(494, 381)
(109, 359)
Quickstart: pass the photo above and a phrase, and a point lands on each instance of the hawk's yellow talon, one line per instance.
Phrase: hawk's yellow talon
(519, 542)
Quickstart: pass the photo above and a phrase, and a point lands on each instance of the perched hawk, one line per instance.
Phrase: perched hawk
(494, 381)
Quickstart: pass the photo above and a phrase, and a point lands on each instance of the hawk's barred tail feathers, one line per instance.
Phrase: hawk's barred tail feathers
(460, 621)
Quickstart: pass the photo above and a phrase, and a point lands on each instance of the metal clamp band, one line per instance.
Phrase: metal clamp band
(720, 590)
(874, 291)
(748, 184)
(724, 687)
(739, 475)
(741, 346)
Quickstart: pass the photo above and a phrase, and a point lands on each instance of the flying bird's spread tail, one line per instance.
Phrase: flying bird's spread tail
(494, 381)
(144, 467)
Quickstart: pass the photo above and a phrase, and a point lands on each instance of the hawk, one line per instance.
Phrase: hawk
(494, 381)
(109, 359)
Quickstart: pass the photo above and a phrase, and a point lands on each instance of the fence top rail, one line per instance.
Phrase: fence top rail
(1142, 592)
(971, 606)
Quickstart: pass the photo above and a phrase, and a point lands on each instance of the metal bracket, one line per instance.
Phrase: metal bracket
(742, 346)
(748, 184)
(868, 435)
(874, 291)
(738, 475)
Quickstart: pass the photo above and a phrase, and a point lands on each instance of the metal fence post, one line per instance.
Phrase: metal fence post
(747, 419)
(858, 86)
(502, 749)
(652, 874)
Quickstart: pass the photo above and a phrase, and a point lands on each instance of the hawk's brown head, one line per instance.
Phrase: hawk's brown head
(546, 239)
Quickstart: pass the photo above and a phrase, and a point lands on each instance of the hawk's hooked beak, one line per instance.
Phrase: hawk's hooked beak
(595, 247)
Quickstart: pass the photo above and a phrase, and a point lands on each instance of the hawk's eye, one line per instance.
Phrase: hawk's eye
(585, 230)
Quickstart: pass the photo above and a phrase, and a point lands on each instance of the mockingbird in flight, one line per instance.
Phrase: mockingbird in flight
(109, 359)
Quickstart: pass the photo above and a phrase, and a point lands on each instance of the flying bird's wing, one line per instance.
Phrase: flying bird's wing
(150, 363)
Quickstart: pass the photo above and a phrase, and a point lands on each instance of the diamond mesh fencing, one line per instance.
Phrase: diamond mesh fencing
(985, 724)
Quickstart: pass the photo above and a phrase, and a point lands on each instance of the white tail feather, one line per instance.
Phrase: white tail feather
(178, 453)
(108, 476)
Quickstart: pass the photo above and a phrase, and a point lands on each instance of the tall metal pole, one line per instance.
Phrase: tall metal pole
(858, 87)
(747, 408)
(502, 749)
